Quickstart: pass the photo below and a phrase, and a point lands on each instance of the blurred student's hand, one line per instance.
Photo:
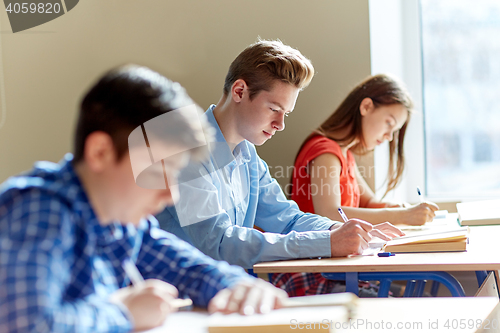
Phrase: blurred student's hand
(248, 297)
(149, 304)
(350, 238)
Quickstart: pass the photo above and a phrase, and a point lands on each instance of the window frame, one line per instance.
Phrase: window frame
(396, 47)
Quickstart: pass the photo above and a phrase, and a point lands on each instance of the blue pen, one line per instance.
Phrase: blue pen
(420, 196)
(344, 217)
(386, 254)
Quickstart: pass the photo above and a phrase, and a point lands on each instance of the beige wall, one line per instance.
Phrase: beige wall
(47, 68)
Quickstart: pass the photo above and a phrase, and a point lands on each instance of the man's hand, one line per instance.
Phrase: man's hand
(386, 231)
(351, 238)
(149, 304)
(249, 297)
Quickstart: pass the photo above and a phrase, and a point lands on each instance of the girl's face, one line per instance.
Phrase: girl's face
(380, 123)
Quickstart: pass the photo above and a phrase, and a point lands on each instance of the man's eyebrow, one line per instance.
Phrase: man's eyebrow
(280, 106)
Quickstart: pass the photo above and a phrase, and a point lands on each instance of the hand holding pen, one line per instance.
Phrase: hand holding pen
(148, 302)
(351, 237)
(420, 213)
(137, 280)
(354, 235)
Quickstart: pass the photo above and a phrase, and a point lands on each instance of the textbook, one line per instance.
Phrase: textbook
(479, 212)
(451, 240)
(317, 313)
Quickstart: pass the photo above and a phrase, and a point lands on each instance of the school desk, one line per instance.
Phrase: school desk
(482, 255)
(382, 315)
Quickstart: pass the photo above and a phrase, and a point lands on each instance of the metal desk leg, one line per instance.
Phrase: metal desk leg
(410, 287)
(419, 288)
(351, 282)
(434, 288)
(383, 290)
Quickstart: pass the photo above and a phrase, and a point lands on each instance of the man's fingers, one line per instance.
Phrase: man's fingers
(251, 302)
(267, 303)
(248, 298)
(237, 297)
(365, 235)
(219, 302)
(380, 234)
(363, 224)
(362, 246)
(164, 289)
(389, 229)
(281, 296)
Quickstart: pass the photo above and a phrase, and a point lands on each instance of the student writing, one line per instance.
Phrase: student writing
(325, 174)
(223, 199)
(66, 228)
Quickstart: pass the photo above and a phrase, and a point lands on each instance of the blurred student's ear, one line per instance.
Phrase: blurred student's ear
(99, 151)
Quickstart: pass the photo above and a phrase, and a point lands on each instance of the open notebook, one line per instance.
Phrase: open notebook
(430, 241)
(308, 313)
(437, 240)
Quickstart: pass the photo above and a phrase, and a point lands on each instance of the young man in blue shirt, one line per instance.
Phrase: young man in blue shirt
(67, 228)
(223, 199)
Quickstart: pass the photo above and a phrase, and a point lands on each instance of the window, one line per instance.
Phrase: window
(461, 97)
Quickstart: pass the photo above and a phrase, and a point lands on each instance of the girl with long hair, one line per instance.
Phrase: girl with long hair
(326, 176)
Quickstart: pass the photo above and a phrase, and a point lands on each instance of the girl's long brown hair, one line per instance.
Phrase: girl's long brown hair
(382, 89)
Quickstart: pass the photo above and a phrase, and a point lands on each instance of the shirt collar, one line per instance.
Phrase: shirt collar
(242, 150)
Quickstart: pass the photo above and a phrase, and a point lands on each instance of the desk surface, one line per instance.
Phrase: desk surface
(411, 314)
(482, 254)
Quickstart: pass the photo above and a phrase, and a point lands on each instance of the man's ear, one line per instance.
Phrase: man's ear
(238, 90)
(99, 151)
(366, 106)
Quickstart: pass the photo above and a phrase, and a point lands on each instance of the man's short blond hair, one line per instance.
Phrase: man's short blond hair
(265, 61)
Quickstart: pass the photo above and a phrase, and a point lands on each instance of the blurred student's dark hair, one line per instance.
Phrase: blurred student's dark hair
(123, 99)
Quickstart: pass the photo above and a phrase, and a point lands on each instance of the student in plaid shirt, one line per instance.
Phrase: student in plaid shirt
(66, 228)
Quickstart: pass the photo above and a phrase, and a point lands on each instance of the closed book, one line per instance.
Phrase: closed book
(479, 212)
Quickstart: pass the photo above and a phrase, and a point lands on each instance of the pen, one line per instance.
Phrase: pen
(137, 280)
(132, 272)
(420, 196)
(386, 254)
(344, 217)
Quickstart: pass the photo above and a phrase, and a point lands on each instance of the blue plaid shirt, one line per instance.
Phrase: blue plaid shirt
(58, 265)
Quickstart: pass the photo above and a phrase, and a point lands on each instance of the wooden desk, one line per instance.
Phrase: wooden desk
(417, 314)
(482, 255)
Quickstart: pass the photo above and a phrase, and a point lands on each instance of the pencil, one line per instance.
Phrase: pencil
(137, 280)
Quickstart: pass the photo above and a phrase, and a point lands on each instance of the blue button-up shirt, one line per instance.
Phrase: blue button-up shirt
(221, 200)
(58, 265)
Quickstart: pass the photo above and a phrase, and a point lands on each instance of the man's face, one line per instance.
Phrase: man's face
(135, 202)
(259, 119)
